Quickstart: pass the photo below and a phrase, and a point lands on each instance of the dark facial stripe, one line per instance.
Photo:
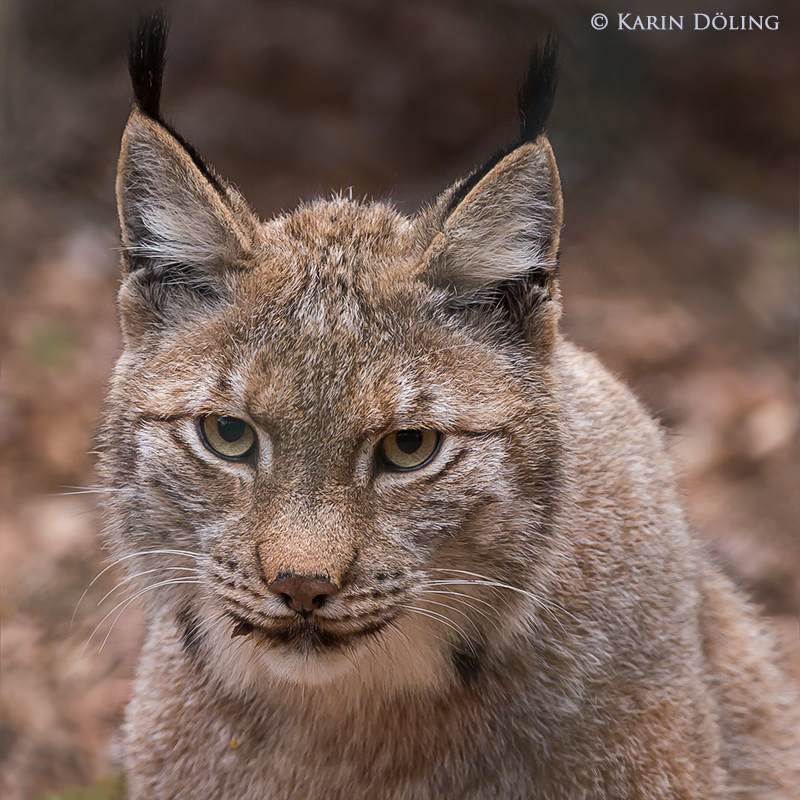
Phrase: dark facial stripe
(467, 661)
(445, 470)
(207, 472)
(148, 417)
(191, 635)
(183, 446)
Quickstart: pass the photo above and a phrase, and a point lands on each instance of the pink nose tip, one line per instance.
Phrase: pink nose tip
(303, 593)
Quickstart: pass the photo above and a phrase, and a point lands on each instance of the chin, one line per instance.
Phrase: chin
(303, 653)
(380, 659)
(255, 659)
(306, 668)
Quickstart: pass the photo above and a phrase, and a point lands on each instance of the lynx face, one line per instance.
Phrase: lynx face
(333, 434)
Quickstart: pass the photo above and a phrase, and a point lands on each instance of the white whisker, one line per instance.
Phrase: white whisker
(146, 572)
(451, 608)
(127, 602)
(426, 612)
(464, 597)
(79, 490)
(119, 561)
(137, 595)
(545, 602)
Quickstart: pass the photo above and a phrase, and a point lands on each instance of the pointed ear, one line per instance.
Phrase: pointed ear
(497, 241)
(183, 230)
(178, 221)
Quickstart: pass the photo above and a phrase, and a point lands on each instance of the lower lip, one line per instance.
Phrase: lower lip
(302, 637)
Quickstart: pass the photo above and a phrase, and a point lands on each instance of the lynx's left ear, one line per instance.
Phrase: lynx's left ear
(181, 225)
(494, 235)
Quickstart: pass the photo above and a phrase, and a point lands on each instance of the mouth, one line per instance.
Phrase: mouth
(303, 635)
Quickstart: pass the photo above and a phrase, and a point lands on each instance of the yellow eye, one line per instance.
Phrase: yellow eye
(407, 450)
(228, 437)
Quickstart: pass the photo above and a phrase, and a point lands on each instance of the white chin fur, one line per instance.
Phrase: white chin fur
(387, 663)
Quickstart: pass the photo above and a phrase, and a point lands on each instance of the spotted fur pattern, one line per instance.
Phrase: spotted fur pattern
(525, 616)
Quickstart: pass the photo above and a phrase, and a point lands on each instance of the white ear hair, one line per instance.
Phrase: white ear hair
(172, 211)
(506, 227)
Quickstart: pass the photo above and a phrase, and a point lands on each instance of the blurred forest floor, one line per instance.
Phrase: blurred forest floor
(679, 157)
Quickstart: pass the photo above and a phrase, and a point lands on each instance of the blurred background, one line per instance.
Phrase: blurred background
(679, 156)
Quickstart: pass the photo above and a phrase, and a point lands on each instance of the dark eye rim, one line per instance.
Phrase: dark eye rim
(249, 456)
(385, 465)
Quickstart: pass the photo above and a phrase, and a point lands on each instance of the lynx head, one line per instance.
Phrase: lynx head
(333, 435)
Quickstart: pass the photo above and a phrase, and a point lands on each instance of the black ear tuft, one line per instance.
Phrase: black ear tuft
(538, 91)
(536, 97)
(146, 59)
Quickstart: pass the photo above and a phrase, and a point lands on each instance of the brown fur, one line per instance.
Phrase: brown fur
(527, 616)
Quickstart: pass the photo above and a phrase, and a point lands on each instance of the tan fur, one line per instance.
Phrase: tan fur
(550, 627)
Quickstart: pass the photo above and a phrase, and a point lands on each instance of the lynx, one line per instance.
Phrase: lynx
(396, 536)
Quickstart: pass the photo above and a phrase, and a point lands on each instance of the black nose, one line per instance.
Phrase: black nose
(303, 593)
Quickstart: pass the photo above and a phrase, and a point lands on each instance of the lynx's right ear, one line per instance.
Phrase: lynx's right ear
(493, 236)
(181, 226)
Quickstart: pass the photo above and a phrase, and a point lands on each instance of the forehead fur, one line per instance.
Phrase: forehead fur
(335, 282)
(329, 244)
(335, 316)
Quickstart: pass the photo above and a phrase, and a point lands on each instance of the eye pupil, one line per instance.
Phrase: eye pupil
(231, 429)
(229, 437)
(408, 449)
(408, 441)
